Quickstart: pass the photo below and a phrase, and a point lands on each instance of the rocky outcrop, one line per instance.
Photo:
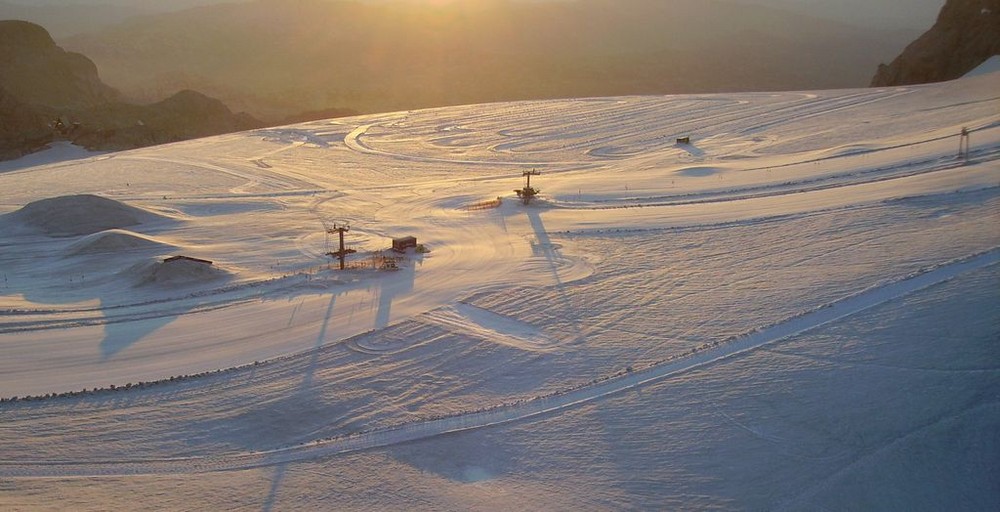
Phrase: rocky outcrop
(47, 93)
(966, 34)
(22, 130)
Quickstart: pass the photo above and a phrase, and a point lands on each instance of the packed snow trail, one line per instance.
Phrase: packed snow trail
(823, 315)
(812, 184)
(756, 157)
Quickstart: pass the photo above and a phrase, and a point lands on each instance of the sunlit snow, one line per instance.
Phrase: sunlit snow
(798, 309)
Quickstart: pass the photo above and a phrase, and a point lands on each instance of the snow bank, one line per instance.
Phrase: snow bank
(80, 215)
(470, 320)
(698, 172)
(175, 273)
(114, 240)
(59, 151)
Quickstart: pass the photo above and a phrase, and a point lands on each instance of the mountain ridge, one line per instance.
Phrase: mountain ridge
(37, 71)
(966, 34)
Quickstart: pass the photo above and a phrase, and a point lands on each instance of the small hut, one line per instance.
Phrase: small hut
(403, 243)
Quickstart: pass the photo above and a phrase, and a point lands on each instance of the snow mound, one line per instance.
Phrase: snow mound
(80, 215)
(473, 321)
(59, 151)
(698, 172)
(114, 240)
(291, 136)
(175, 273)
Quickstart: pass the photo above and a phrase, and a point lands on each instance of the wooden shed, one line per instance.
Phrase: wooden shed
(403, 243)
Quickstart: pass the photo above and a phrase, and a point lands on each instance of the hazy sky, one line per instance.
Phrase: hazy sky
(915, 14)
(911, 14)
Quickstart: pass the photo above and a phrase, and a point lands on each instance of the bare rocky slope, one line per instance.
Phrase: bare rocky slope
(37, 71)
(967, 32)
(23, 129)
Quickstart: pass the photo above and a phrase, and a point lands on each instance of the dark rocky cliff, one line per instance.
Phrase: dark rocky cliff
(22, 128)
(38, 72)
(967, 32)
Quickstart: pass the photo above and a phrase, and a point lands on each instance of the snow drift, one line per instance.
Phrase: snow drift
(113, 241)
(175, 273)
(80, 215)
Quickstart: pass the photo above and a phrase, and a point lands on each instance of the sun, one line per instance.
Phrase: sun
(433, 3)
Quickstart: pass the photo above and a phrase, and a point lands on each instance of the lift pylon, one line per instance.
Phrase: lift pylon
(340, 229)
(528, 192)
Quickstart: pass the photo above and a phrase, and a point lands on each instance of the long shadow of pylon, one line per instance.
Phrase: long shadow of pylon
(303, 390)
(544, 244)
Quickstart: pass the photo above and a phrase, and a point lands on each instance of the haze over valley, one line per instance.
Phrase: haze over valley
(274, 59)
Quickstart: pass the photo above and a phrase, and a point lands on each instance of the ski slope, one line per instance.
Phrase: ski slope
(645, 266)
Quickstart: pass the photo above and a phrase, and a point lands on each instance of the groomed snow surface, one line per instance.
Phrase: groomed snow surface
(799, 310)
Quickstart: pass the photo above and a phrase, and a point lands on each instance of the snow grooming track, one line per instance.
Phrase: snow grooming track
(487, 325)
(389, 436)
(354, 142)
(864, 177)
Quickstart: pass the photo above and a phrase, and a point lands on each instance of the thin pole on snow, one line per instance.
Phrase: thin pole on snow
(963, 145)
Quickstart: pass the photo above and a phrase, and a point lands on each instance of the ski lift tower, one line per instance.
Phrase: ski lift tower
(343, 252)
(528, 192)
(963, 145)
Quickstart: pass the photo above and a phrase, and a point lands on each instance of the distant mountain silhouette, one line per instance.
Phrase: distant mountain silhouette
(185, 115)
(38, 72)
(48, 93)
(274, 58)
(966, 34)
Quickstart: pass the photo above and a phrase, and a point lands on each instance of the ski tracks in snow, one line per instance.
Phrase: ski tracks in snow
(507, 413)
(477, 322)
